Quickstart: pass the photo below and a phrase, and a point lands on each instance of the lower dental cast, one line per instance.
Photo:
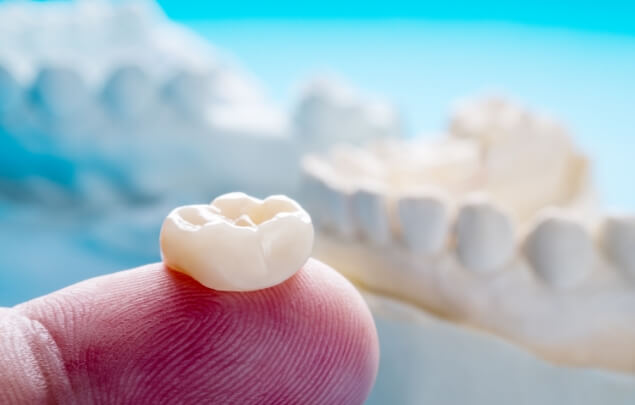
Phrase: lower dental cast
(238, 243)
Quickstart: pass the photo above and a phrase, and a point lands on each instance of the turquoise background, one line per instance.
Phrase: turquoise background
(607, 16)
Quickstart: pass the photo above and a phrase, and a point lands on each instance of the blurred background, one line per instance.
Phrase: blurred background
(111, 114)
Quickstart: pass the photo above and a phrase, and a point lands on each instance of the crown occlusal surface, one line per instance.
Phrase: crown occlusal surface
(238, 243)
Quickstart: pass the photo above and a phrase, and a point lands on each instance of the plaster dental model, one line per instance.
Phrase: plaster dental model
(238, 243)
(112, 102)
(107, 100)
(494, 226)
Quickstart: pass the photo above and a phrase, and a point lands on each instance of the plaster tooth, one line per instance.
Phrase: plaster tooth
(314, 192)
(338, 210)
(424, 222)
(560, 250)
(128, 92)
(618, 240)
(59, 92)
(484, 236)
(189, 93)
(371, 215)
(332, 199)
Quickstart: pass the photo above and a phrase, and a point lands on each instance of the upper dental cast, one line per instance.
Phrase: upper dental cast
(238, 243)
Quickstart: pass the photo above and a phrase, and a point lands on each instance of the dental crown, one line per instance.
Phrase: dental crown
(238, 243)
(495, 225)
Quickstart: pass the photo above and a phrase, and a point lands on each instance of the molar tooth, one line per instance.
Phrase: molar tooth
(371, 215)
(238, 243)
(618, 240)
(560, 250)
(484, 236)
(424, 222)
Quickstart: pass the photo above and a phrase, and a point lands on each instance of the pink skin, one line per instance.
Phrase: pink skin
(154, 336)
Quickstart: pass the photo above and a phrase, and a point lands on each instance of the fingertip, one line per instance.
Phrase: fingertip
(154, 335)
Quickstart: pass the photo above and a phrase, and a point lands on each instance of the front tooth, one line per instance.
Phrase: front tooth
(560, 250)
(484, 236)
(238, 243)
(618, 239)
(371, 216)
(424, 221)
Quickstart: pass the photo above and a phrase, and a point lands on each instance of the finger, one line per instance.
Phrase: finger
(150, 335)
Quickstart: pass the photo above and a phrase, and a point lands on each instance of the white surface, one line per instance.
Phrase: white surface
(591, 325)
(428, 361)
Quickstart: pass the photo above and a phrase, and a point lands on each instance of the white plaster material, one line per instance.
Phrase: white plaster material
(522, 169)
(238, 243)
(425, 359)
(488, 119)
(590, 326)
(528, 158)
(560, 250)
(618, 241)
(338, 206)
(188, 92)
(126, 98)
(424, 221)
(500, 170)
(60, 92)
(484, 236)
(129, 92)
(314, 191)
(330, 112)
(156, 108)
(96, 37)
(371, 215)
